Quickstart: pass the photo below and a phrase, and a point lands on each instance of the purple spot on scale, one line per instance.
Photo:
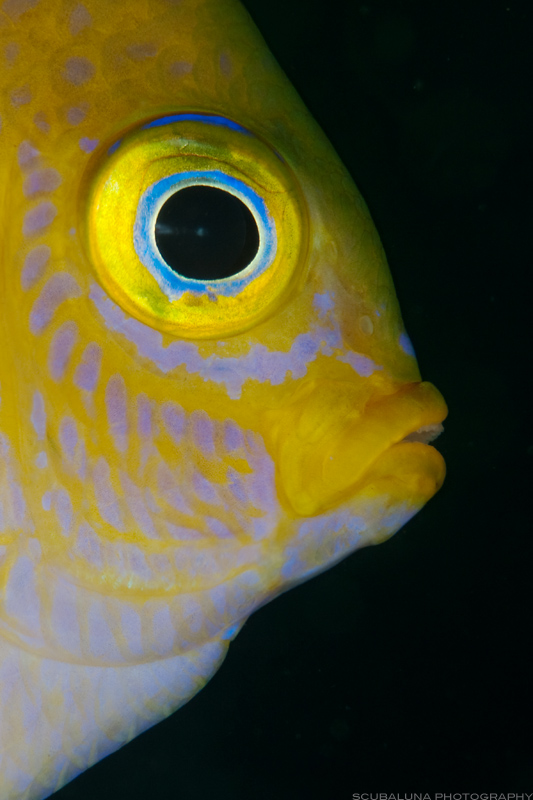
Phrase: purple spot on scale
(169, 490)
(41, 180)
(18, 503)
(11, 52)
(60, 287)
(34, 265)
(46, 501)
(68, 437)
(150, 502)
(236, 485)
(75, 115)
(63, 509)
(88, 145)
(331, 339)
(41, 122)
(233, 435)
(106, 498)
(203, 488)
(38, 218)
(115, 398)
(180, 68)
(138, 52)
(79, 19)
(21, 96)
(78, 70)
(15, 8)
(225, 65)
(203, 432)
(144, 416)
(217, 528)
(88, 545)
(254, 444)
(41, 460)
(27, 154)
(361, 364)
(135, 562)
(305, 348)
(61, 349)
(174, 419)
(323, 303)
(38, 415)
(405, 343)
(137, 506)
(260, 486)
(86, 376)
(82, 460)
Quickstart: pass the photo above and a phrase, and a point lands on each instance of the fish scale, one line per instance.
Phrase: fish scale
(175, 450)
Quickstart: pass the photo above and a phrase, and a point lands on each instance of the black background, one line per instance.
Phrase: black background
(407, 667)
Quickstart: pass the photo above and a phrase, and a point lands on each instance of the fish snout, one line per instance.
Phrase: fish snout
(331, 445)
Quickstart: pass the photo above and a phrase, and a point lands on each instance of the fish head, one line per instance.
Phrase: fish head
(198, 411)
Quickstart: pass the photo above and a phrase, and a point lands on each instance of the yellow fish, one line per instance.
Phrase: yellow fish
(207, 392)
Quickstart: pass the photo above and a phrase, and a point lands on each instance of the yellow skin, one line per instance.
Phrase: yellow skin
(172, 459)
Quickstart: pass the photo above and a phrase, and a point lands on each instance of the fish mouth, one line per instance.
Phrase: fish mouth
(383, 448)
(425, 434)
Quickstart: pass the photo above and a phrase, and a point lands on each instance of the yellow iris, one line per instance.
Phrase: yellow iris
(115, 225)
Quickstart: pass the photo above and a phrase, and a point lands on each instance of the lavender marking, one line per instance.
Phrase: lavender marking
(361, 364)
(38, 415)
(203, 432)
(174, 419)
(59, 288)
(34, 265)
(115, 398)
(38, 218)
(88, 370)
(106, 498)
(68, 437)
(61, 349)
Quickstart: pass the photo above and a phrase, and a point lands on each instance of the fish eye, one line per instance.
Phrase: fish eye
(195, 225)
(206, 233)
(195, 228)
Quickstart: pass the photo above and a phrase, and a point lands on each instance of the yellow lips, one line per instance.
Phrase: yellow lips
(360, 449)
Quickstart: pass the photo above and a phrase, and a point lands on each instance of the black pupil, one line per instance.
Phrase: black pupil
(206, 233)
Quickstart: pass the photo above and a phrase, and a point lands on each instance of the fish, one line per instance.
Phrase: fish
(207, 393)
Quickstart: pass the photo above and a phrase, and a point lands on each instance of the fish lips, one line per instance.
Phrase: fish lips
(383, 450)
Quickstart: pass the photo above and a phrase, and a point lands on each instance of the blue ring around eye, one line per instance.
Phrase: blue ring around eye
(171, 283)
(207, 119)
